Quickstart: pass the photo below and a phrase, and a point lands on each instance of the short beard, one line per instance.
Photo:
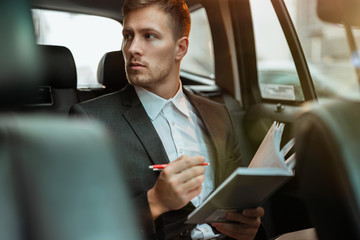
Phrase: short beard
(135, 78)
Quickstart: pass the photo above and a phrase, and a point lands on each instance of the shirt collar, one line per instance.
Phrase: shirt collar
(153, 104)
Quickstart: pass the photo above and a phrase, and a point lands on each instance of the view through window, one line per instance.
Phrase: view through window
(199, 59)
(277, 75)
(88, 38)
(325, 47)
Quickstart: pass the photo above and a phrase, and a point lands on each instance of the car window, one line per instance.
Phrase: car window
(88, 38)
(199, 59)
(327, 52)
(277, 75)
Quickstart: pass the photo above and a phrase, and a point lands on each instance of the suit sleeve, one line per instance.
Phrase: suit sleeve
(148, 228)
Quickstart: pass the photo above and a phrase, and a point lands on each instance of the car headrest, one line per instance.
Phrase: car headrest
(59, 67)
(339, 11)
(111, 71)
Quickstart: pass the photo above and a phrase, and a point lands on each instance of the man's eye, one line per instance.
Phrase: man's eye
(127, 36)
(149, 36)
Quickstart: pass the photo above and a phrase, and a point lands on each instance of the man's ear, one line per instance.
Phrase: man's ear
(181, 48)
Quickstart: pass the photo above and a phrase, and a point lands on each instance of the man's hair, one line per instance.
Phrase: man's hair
(177, 11)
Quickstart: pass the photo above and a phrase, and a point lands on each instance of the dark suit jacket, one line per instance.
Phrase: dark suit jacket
(139, 146)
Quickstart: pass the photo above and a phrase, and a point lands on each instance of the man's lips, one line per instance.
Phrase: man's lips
(135, 66)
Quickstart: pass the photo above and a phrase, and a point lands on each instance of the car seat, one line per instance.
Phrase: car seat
(111, 71)
(110, 74)
(57, 91)
(59, 179)
(328, 167)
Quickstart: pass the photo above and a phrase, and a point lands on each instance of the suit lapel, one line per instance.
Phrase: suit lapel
(140, 122)
(207, 117)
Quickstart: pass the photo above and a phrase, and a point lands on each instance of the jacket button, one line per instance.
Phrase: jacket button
(184, 233)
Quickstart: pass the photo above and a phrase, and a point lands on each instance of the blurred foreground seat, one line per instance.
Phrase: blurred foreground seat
(328, 167)
(60, 180)
(20, 63)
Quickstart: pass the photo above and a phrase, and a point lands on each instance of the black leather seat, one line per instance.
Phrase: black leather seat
(328, 167)
(60, 75)
(111, 71)
(110, 74)
(57, 88)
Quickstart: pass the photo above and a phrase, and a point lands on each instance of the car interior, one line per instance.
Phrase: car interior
(51, 186)
(47, 190)
(327, 153)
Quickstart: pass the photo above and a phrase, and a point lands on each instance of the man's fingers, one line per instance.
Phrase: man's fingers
(236, 230)
(185, 162)
(194, 192)
(238, 217)
(248, 216)
(255, 212)
(190, 173)
(188, 178)
(179, 182)
(194, 182)
(242, 225)
(187, 188)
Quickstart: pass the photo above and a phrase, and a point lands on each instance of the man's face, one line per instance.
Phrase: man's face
(148, 47)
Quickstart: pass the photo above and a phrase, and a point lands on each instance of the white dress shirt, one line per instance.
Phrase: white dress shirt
(182, 133)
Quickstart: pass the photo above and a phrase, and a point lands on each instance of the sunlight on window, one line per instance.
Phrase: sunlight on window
(324, 45)
(327, 52)
(199, 59)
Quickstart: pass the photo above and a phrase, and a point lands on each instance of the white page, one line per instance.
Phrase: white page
(268, 154)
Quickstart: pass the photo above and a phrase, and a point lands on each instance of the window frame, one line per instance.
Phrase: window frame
(296, 50)
(246, 53)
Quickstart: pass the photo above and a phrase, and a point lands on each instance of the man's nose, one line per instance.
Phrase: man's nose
(135, 47)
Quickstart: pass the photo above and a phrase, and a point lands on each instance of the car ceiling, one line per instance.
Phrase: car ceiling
(105, 8)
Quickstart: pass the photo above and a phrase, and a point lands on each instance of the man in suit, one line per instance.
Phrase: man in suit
(153, 120)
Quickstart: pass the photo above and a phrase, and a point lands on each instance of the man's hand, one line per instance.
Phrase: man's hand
(177, 184)
(244, 225)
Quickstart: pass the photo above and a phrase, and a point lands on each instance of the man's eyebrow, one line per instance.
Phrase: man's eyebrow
(148, 30)
(142, 30)
(125, 29)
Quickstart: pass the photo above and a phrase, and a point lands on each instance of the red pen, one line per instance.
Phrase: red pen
(159, 167)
